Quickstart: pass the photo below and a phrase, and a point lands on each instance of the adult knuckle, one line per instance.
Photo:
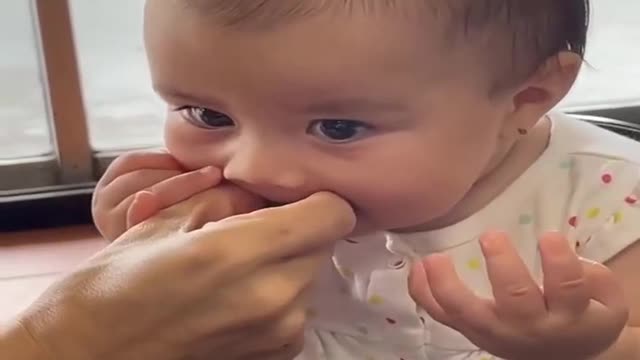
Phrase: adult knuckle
(273, 300)
(196, 258)
(290, 327)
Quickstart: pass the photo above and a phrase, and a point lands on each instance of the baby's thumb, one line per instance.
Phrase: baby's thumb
(145, 204)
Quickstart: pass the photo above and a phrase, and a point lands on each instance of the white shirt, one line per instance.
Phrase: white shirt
(585, 184)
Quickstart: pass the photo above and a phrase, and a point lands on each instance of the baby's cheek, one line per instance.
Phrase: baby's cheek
(193, 148)
(414, 201)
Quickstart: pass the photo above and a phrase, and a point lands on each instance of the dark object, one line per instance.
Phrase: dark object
(45, 210)
(625, 128)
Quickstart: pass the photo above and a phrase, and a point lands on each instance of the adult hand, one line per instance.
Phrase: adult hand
(233, 289)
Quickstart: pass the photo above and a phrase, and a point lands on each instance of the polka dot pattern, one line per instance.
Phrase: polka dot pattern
(573, 221)
(525, 219)
(588, 212)
(376, 300)
(474, 264)
(593, 213)
(617, 217)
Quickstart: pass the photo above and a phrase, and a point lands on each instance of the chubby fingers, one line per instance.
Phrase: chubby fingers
(436, 287)
(516, 294)
(138, 160)
(565, 287)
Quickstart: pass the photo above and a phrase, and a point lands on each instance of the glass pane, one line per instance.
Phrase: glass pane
(613, 54)
(122, 108)
(24, 130)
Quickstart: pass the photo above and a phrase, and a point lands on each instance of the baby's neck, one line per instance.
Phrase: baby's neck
(508, 167)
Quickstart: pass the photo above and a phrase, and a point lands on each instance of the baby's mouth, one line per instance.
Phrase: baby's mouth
(271, 204)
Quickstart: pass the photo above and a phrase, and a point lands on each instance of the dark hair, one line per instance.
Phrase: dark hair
(526, 32)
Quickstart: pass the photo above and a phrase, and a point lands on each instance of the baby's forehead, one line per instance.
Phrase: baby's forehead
(267, 13)
(516, 35)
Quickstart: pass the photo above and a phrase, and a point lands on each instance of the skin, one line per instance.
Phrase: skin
(249, 102)
(274, 85)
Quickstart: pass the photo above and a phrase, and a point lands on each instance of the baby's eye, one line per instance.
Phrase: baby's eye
(205, 118)
(339, 131)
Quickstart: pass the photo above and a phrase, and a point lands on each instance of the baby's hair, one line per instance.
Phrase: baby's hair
(525, 32)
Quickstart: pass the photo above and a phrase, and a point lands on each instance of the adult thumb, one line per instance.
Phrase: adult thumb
(296, 227)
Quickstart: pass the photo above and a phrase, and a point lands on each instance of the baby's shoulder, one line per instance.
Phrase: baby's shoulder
(583, 140)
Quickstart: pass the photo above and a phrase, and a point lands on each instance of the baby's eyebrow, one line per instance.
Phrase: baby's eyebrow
(355, 104)
(194, 99)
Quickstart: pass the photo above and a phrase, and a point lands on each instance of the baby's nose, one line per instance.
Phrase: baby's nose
(274, 177)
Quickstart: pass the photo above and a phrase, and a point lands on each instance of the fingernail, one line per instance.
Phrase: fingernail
(209, 171)
(554, 242)
(492, 242)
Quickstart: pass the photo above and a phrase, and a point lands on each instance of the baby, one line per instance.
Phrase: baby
(432, 119)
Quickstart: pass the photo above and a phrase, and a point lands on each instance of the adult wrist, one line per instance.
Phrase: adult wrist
(16, 343)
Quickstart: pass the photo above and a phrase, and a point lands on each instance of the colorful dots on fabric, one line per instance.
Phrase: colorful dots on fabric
(375, 300)
(474, 264)
(573, 221)
(617, 218)
(631, 199)
(567, 164)
(593, 213)
(607, 178)
(525, 219)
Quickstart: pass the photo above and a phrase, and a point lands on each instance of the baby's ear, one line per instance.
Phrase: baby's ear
(546, 87)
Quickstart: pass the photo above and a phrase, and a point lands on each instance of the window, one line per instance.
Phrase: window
(89, 55)
(24, 131)
(122, 111)
(612, 77)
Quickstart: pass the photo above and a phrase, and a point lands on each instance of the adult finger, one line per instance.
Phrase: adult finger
(565, 287)
(516, 294)
(289, 230)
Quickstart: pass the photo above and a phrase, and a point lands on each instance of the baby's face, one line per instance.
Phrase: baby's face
(377, 109)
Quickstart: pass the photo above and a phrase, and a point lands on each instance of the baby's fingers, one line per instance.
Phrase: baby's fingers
(181, 187)
(517, 295)
(420, 291)
(604, 287)
(143, 206)
(462, 308)
(565, 286)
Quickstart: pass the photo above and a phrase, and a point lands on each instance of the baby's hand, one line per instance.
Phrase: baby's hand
(579, 312)
(155, 180)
